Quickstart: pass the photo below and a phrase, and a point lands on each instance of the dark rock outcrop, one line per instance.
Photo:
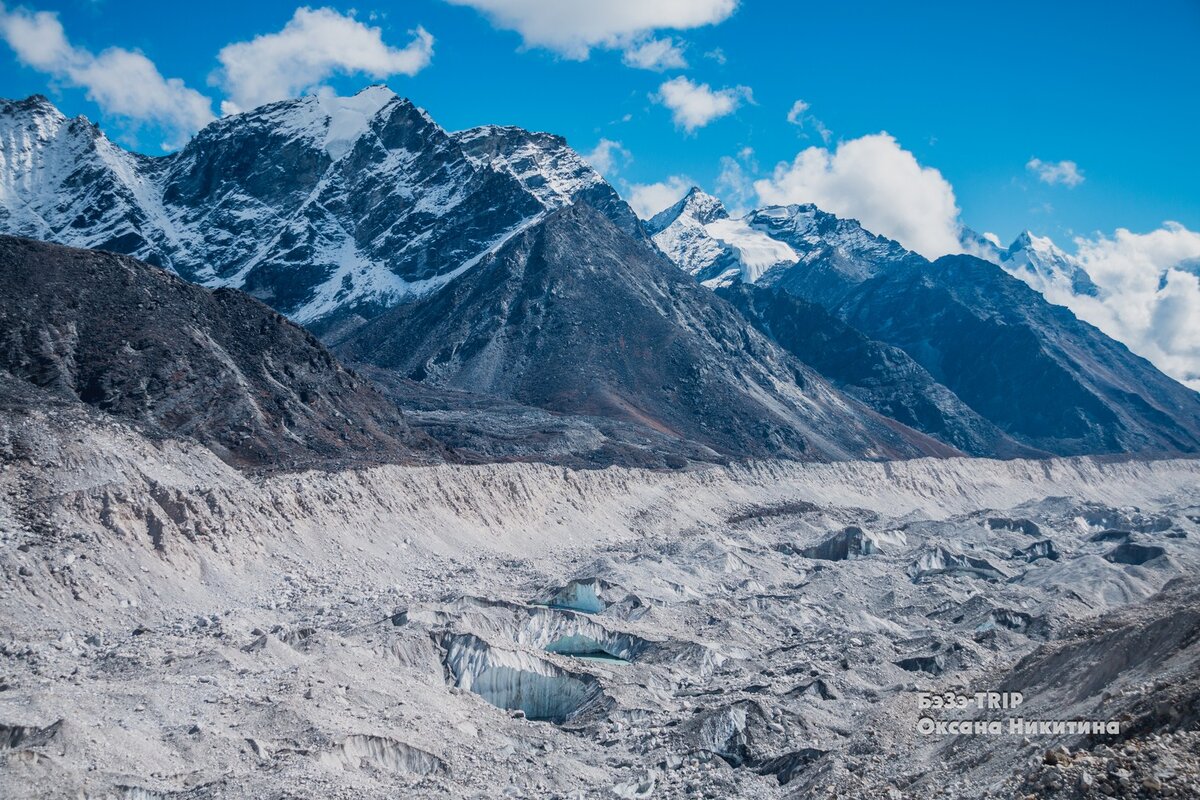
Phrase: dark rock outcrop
(141, 344)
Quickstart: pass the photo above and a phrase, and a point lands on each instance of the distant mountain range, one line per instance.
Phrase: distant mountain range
(493, 284)
(1047, 380)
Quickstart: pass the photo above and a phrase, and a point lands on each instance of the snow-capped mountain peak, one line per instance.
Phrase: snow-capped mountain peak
(1036, 260)
(543, 162)
(985, 246)
(763, 244)
(697, 206)
(1043, 265)
(321, 206)
(1042, 245)
(318, 205)
(546, 167)
(325, 120)
(681, 232)
(63, 174)
(349, 117)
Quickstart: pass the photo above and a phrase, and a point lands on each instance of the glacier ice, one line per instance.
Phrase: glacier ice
(515, 680)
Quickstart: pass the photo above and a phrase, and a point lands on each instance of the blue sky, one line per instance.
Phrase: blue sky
(974, 91)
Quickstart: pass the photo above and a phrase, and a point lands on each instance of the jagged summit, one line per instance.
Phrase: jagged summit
(697, 205)
(1030, 368)
(333, 210)
(61, 174)
(1037, 261)
(1043, 265)
(34, 103)
(719, 250)
(330, 209)
(979, 245)
(548, 168)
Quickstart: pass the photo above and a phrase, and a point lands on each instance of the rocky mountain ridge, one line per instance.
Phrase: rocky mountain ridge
(180, 361)
(1032, 369)
(575, 316)
(322, 207)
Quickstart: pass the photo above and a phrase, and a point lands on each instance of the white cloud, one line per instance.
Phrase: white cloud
(1149, 295)
(123, 83)
(798, 115)
(735, 184)
(694, 105)
(314, 45)
(607, 157)
(993, 238)
(1065, 172)
(647, 199)
(572, 28)
(655, 54)
(877, 182)
(796, 112)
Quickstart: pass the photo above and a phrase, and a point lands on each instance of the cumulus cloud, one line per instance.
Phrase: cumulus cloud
(572, 28)
(607, 157)
(315, 45)
(1066, 173)
(647, 199)
(1148, 295)
(655, 54)
(123, 83)
(879, 183)
(694, 105)
(796, 113)
(735, 182)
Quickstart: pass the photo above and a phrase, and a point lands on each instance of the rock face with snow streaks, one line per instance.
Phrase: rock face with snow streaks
(578, 317)
(322, 207)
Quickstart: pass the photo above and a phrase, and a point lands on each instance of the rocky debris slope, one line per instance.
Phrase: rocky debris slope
(1140, 666)
(175, 627)
(577, 317)
(480, 429)
(216, 366)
